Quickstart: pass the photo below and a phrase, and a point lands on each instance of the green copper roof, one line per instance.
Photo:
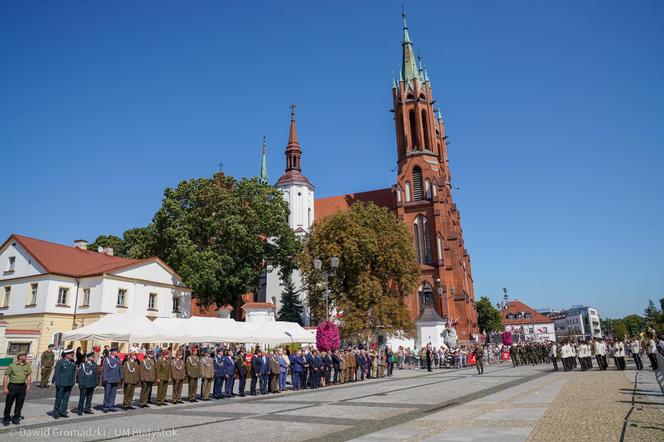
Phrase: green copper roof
(408, 65)
(264, 179)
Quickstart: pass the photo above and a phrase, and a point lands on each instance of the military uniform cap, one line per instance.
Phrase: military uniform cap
(91, 353)
(66, 352)
(114, 349)
(51, 345)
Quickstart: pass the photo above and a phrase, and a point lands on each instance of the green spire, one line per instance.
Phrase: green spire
(263, 178)
(440, 116)
(409, 65)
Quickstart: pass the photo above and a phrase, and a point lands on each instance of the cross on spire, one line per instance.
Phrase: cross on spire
(292, 110)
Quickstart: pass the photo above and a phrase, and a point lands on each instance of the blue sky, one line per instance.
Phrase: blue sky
(554, 112)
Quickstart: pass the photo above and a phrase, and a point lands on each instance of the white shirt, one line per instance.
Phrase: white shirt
(652, 348)
(600, 348)
(635, 347)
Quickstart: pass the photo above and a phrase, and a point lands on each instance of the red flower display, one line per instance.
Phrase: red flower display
(327, 336)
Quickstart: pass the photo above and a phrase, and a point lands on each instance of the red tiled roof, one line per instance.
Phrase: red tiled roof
(73, 261)
(324, 207)
(517, 306)
(18, 331)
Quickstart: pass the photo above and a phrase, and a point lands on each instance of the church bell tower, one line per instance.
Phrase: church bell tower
(423, 195)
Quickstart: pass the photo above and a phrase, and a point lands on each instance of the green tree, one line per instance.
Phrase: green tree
(377, 270)
(489, 318)
(218, 233)
(651, 313)
(116, 243)
(618, 328)
(634, 324)
(135, 243)
(291, 305)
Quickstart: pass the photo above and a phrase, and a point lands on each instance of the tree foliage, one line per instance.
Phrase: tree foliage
(489, 318)
(377, 270)
(291, 306)
(217, 233)
(634, 324)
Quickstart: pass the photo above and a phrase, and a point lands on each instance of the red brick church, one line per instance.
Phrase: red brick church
(422, 198)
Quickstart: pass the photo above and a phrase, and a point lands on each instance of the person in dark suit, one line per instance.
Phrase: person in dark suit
(241, 369)
(297, 369)
(359, 362)
(264, 373)
(87, 381)
(256, 366)
(318, 369)
(310, 368)
(230, 373)
(64, 378)
(327, 368)
(219, 374)
(335, 365)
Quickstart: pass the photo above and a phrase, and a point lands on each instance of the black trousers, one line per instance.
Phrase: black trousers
(637, 361)
(85, 399)
(252, 384)
(61, 399)
(336, 374)
(242, 384)
(653, 360)
(16, 394)
(555, 364)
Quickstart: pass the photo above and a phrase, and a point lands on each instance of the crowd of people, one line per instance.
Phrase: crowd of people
(223, 372)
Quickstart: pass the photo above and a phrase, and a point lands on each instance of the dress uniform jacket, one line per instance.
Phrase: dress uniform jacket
(163, 370)
(178, 370)
(193, 367)
(130, 372)
(65, 373)
(111, 372)
(148, 371)
(206, 367)
(87, 375)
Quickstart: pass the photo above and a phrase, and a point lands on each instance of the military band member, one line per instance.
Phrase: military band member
(651, 351)
(87, 381)
(147, 375)
(47, 362)
(241, 368)
(111, 375)
(192, 365)
(619, 354)
(635, 347)
(207, 375)
(179, 375)
(15, 385)
(130, 370)
(64, 378)
(219, 374)
(163, 376)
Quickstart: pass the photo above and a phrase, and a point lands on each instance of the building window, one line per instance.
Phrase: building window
(413, 129)
(425, 127)
(418, 188)
(408, 192)
(86, 297)
(152, 301)
(18, 347)
(434, 189)
(11, 263)
(439, 246)
(399, 194)
(422, 238)
(425, 296)
(5, 298)
(176, 304)
(33, 294)
(122, 297)
(427, 189)
(63, 294)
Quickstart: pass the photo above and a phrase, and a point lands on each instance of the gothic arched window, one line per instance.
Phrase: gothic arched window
(427, 189)
(425, 296)
(413, 129)
(439, 244)
(422, 239)
(399, 194)
(408, 193)
(425, 128)
(434, 189)
(418, 188)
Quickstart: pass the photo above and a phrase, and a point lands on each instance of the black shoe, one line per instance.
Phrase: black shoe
(6, 422)
(56, 416)
(80, 413)
(88, 412)
(64, 415)
(113, 410)
(243, 395)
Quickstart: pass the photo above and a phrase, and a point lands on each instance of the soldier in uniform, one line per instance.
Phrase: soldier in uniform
(335, 366)
(274, 372)
(179, 376)
(111, 375)
(241, 367)
(219, 374)
(342, 367)
(479, 358)
(147, 375)
(207, 375)
(193, 373)
(163, 376)
(130, 370)
(64, 378)
(15, 385)
(47, 361)
(87, 381)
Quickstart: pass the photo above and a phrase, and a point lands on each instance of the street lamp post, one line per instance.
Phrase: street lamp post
(318, 265)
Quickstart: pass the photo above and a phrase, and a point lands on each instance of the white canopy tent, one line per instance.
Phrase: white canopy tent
(125, 327)
(128, 327)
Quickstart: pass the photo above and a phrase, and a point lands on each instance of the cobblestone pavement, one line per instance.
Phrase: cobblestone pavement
(503, 404)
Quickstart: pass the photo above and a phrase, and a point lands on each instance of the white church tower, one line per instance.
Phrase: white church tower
(299, 193)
